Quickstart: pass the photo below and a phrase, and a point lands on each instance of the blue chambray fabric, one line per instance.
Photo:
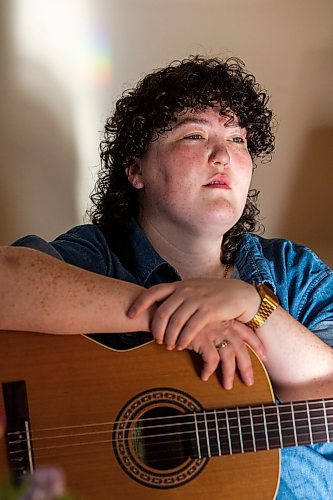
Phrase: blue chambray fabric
(302, 282)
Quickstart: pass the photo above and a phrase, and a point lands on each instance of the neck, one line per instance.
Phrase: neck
(192, 255)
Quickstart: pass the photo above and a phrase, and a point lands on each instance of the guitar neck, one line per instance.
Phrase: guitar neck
(263, 427)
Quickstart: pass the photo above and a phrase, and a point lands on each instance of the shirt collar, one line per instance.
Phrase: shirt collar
(146, 259)
(250, 261)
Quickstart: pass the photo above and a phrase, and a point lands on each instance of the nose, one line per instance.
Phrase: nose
(219, 155)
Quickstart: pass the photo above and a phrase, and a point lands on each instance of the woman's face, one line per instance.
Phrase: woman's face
(197, 176)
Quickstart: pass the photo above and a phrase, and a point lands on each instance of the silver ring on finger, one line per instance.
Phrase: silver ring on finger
(221, 345)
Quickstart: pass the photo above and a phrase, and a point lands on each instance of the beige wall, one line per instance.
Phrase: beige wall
(55, 93)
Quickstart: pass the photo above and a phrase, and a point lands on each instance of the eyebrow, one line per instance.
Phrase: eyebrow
(195, 121)
(232, 123)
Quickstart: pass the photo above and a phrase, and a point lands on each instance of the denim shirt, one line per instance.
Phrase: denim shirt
(303, 284)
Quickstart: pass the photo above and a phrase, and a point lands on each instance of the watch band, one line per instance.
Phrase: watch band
(269, 303)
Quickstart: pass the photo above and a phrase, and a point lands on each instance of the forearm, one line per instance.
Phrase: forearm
(300, 365)
(41, 293)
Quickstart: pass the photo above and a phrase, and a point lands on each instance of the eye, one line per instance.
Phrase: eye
(238, 140)
(194, 137)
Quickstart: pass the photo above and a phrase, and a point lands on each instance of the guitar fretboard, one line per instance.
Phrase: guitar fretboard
(264, 427)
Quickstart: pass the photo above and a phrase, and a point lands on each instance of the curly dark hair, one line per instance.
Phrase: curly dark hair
(144, 113)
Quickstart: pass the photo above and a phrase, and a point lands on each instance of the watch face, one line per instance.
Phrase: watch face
(265, 290)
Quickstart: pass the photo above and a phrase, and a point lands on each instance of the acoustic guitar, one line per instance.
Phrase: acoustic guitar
(141, 424)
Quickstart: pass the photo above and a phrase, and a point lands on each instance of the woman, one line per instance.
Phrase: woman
(172, 213)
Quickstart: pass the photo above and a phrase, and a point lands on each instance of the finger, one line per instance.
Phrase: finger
(162, 317)
(210, 358)
(251, 339)
(244, 364)
(177, 322)
(228, 366)
(194, 325)
(149, 297)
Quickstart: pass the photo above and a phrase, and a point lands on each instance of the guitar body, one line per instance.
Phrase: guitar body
(77, 389)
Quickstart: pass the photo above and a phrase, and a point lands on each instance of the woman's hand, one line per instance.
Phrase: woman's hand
(184, 308)
(199, 314)
(232, 353)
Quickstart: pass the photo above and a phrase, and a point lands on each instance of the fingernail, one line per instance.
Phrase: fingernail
(248, 379)
(170, 347)
(180, 348)
(228, 386)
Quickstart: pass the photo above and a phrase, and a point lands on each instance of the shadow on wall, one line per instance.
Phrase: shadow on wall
(38, 156)
(308, 215)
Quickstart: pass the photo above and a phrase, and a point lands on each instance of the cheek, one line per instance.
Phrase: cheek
(248, 171)
(176, 169)
(244, 176)
(245, 165)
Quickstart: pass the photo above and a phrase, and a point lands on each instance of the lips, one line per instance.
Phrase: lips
(218, 181)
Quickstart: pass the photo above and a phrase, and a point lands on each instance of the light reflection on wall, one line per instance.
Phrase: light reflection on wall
(66, 40)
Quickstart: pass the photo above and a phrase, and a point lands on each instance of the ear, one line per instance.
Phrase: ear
(134, 176)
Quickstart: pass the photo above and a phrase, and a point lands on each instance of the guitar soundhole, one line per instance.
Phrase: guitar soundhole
(160, 438)
(153, 438)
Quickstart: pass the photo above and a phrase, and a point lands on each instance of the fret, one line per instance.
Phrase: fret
(318, 421)
(207, 435)
(228, 431)
(265, 425)
(235, 430)
(214, 434)
(197, 434)
(203, 435)
(329, 419)
(309, 420)
(247, 429)
(257, 425)
(217, 434)
(252, 430)
(294, 423)
(240, 430)
(326, 422)
(224, 445)
(287, 424)
(279, 426)
(302, 426)
(272, 426)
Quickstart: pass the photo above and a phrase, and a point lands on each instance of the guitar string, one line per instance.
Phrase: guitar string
(316, 427)
(177, 417)
(199, 414)
(160, 456)
(259, 443)
(163, 426)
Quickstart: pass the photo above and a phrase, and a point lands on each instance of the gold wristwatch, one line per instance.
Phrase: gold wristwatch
(269, 303)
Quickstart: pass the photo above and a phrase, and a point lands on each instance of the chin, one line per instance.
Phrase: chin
(216, 227)
(225, 218)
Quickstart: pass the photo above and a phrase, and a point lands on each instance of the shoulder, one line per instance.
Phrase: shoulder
(89, 235)
(85, 246)
(282, 254)
(303, 282)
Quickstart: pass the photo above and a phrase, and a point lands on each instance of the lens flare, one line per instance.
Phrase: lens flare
(98, 63)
